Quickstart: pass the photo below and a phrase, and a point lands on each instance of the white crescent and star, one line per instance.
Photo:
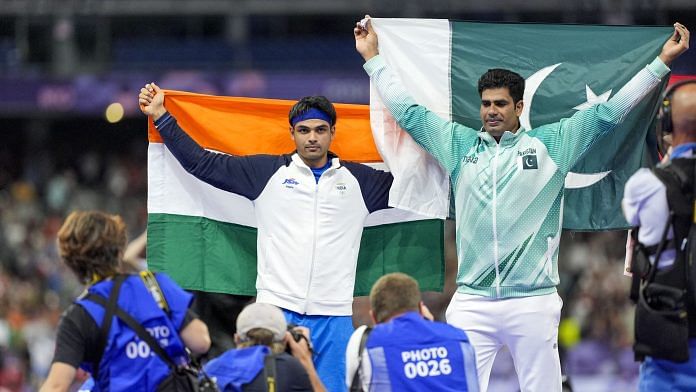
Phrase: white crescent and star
(530, 87)
(528, 161)
(573, 180)
(593, 99)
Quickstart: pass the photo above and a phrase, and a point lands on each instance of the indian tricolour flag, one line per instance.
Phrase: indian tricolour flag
(567, 68)
(205, 238)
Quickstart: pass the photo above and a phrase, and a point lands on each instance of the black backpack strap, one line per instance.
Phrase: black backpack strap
(661, 246)
(689, 261)
(109, 311)
(645, 272)
(269, 372)
(356, 384)
(138, 329)
(681, 176)
(652, 250)
(672, 177)
(636, 274)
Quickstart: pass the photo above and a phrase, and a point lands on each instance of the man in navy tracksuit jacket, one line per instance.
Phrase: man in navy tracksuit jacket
(310, 209)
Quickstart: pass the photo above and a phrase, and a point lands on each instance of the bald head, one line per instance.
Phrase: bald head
(683, 107)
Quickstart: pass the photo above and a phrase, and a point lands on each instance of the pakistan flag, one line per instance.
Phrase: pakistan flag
(567, 68)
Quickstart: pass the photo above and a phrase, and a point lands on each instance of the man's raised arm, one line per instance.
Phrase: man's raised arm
(244, 175)
(442, 139)
(568, 139)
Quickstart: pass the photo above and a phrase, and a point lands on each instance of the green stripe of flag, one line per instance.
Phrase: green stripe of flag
(221, 257)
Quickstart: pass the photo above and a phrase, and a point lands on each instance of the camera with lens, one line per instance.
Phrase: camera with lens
(297, 336)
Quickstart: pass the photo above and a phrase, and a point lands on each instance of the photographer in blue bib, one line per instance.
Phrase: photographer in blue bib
(406, 350)
(269, 355)
(92, 244)
(659, 204)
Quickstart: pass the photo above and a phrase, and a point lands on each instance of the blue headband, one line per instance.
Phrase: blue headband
(311, 114)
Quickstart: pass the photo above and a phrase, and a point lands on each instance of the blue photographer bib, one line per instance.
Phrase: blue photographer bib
(128, 364)
(411, 353)
(237, 367)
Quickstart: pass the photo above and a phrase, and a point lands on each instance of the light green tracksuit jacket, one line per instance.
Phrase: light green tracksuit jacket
(509, 195)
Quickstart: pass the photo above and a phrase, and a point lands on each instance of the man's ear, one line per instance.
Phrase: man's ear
(518, 107)
(292, 133)
(372, 317)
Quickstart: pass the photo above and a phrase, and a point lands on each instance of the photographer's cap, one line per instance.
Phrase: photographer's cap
(264, 316)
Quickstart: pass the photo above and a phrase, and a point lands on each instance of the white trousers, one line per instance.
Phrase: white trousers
(528, 326)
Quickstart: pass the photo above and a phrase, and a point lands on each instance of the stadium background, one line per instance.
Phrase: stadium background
(71, 136)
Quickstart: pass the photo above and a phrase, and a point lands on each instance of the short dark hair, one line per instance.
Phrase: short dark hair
(317, 102)
(499, 78)
(91, 243)
(393, 294)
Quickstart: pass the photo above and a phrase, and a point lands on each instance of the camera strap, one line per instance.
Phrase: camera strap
(269, 372)
(356, 384)
(155, 290)
(137, 328)
(153, 287)
(109, 311)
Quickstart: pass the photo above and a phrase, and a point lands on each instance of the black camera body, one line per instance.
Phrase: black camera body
(297, 336)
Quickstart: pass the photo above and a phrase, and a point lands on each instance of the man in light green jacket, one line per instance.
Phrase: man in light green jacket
(508, 188)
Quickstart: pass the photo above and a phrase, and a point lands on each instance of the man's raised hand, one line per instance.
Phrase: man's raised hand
(151, 101)
(365, 38)
(677, 44)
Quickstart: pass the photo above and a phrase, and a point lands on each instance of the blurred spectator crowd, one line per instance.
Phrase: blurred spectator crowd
(37, 190)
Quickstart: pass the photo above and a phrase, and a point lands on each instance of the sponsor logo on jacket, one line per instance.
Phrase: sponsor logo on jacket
(470, 159)
(528, 151)
(290, 183)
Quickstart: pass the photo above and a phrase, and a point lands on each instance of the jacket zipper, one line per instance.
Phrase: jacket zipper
(495, 220)
(314, 243)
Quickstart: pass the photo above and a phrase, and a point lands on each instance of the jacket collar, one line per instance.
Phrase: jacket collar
(335, 161)
(507, 139)
(686, 150)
